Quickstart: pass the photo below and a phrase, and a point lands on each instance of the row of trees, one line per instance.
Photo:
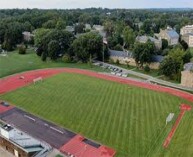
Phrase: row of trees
(13, 22)
(55, 43)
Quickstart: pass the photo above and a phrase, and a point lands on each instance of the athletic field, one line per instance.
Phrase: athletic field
(129, 119)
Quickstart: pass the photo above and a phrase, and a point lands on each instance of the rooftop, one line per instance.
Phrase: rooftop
(188, 26)
(22, 140)
(172, 33)
(188, 67)
(120, 53)
(145, 38)
(7, 127)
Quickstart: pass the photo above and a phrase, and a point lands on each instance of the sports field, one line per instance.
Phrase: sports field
(129, 119)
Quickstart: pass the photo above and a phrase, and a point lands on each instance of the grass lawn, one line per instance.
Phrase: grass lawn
(128, 119)
(14, 63)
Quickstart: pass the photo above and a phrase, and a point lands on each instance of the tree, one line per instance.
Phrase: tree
(53, 48)
(172, 64)
(61, 24)
(79, 28)
(88, 45)
(49, 24)
(22, 49)
(43, 40)
(109, 27)
(164, 44)
(143, 52)
(184, 45)
(128, 37)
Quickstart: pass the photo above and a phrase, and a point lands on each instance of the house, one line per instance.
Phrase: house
(70, 29)
(20, 144)
(186, 30)
(144, 39)
(188, 38)
(100, 29)
(187, 75)
(88, 27)
(170, 35)
(27, 36)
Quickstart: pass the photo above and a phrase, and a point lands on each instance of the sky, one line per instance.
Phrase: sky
(68, 4)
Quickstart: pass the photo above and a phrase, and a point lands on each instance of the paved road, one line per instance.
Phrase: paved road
(149, 78)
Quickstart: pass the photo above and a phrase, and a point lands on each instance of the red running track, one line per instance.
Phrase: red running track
(13, 82)
(183, 109)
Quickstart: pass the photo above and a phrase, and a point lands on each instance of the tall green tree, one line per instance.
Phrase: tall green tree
(128, 37)
(88, 45)
(143, 53)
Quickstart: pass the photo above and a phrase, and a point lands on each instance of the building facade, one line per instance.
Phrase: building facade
(188, 38)
(127, 58)
(186, 29)
(187, 75)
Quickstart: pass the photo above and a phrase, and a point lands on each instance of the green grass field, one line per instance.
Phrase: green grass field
(128, 119)
(14, 63)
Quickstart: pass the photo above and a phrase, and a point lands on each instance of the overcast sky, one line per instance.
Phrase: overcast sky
(64, 4)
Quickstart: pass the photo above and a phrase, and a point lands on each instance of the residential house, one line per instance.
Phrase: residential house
(170, 35)
(70, 29)
(187, 75)
(144, 39)
(100, 29)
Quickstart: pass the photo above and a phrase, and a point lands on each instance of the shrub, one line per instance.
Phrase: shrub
(117, 62)
(66, 58)
(118, 47)
(147, 68)
(22, 50)
(111, 61)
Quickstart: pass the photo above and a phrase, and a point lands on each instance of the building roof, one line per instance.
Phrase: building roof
(157, 58)
(188, 67)
(145, 38)
(172, 33)
(7, 127)
(188, 26)
(23, 140)
(116, 53)
(70, 28)
(187, 35)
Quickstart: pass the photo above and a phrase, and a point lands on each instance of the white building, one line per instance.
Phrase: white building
(186, 29)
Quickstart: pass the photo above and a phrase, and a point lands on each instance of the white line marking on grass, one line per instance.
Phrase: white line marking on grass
(56, 130)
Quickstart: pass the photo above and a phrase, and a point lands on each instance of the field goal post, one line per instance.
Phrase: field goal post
(36, 80)
(169, 118)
